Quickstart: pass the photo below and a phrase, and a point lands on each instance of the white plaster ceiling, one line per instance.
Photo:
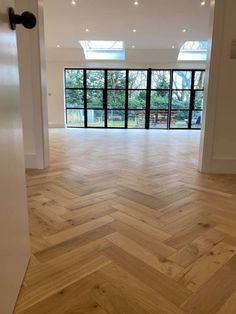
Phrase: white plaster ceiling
(159, 23)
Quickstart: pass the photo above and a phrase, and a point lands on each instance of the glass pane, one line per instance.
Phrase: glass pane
(179, 119)
(95, 98)
(74, 98)
(95, 79)
(193, 51)
(199, 99)
(158, 119)
(74, 78)
(159, 100)
(137, 99)
(96, 118)
(99, 45)
(160, 79)
(136, 119)
(116, 79)
(180, 100)
(199, 79)
(137, 79)
(116, 99)
(75, 118)
(182, 79)
(116, 118)
(197, 119)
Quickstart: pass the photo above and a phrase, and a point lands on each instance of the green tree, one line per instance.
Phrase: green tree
(137, 83)
(116, 96)
(74, 78)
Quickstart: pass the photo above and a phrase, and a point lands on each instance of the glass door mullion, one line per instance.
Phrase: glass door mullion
(192, 100)
(170, 101)
(85, 101)
(148, 98)
(105, 100)
(126, 98)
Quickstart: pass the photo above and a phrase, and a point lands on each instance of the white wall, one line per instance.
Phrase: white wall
(55, 82)
(55, 76)
(218, 146)
(33, 86)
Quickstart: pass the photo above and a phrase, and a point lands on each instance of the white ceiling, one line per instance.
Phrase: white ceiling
(159, 23)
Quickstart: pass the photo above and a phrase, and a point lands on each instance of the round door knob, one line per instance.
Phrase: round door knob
(27, 19)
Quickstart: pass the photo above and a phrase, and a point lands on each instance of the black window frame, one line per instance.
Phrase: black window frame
(148, 110)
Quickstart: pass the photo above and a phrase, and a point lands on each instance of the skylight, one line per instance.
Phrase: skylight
(103, 50)
(193, 51)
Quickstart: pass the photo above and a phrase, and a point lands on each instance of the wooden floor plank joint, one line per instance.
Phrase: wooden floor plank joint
(122, 222)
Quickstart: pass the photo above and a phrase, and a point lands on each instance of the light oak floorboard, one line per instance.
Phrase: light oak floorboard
(122, 222)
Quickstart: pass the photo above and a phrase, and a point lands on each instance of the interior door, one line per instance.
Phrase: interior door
(14, 235)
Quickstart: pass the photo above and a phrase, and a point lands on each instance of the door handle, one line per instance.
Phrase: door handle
(27, 19)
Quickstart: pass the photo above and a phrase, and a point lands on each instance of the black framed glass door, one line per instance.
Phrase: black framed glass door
(180, 100)
(137, 98)
(75, 97)
(116, 98)
(160, 98)
(198, 99)
(134, 98)
(95, 98)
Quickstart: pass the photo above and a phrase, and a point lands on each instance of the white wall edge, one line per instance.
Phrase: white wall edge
(56, 125)
(206, 158)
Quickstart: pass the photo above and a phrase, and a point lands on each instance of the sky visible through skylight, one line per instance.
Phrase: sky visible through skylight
(193, 51)
(105, 45)
(103, 50)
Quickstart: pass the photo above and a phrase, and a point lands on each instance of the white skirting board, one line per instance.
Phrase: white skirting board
(31, 161)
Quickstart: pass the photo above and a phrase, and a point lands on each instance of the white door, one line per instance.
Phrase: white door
(14, 234)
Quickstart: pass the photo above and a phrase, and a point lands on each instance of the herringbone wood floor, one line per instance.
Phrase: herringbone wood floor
(122, 222)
